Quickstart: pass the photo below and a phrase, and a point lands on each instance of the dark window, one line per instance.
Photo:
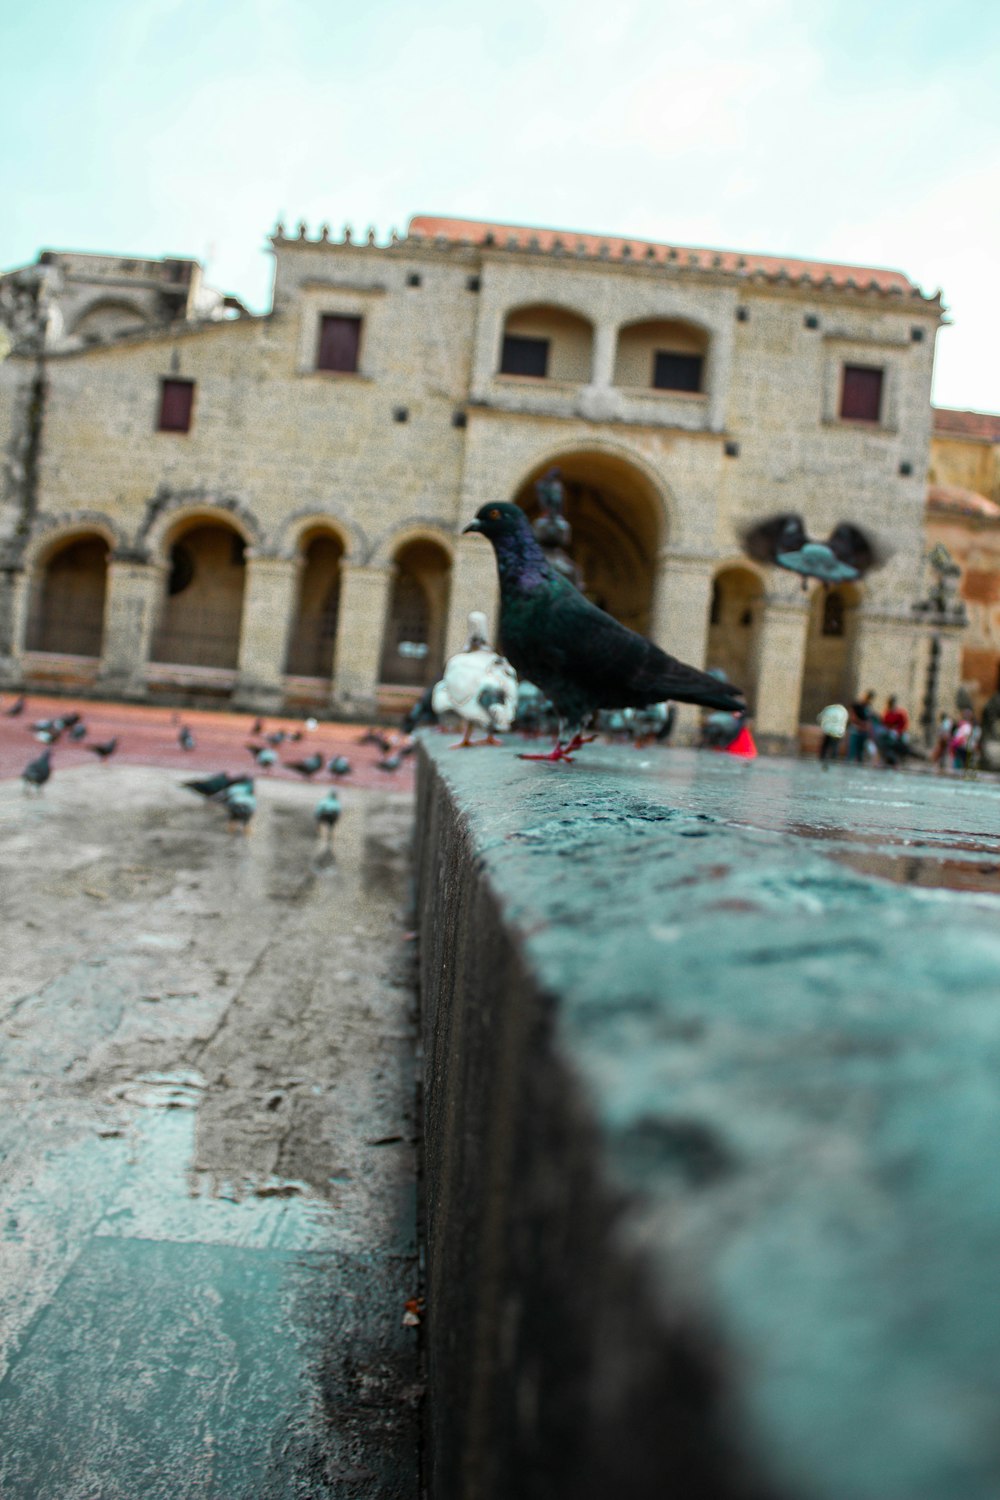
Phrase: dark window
(743, 315)
(413, 279)
(732, 450)
(833, 614)
(472, 284)
(810, 320)
(676, 372)
(181, 569)
(861, 395)
(905, 469)
(400, 414)
(339, 341)
(917, 335)
(176, 401)
(523, 356)
(459, 419)
(715, 608)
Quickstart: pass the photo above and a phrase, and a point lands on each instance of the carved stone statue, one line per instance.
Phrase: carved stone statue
(552, 530)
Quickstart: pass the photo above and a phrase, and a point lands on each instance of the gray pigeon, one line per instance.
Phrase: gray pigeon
(327, 813)
(847, 554)
(37, 772)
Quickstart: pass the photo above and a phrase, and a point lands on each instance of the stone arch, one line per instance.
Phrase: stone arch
(166, 514)
(288, 538)
(108, 318)
(546, 339)
(201, 609)
(829, 670)
(734, 622)
(668, 354)
(417, 614)
(618, 513)
(416, 528)
(67, 593)
(49, 532)
(313, 635)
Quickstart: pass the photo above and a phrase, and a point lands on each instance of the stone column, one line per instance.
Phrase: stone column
(781, 656)
(131, 604)
(473, 586)
(602, 372)
(268, 602)
(14, 585)
(682, 594)
(361, 625)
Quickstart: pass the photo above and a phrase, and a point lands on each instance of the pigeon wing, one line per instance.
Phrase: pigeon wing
(783, 533)
(583, 656)
(855, 548)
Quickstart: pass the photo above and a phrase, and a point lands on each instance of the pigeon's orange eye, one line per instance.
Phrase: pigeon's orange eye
(494, 515)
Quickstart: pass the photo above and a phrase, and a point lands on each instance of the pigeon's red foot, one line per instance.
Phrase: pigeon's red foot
(558, 752)
(579, 740)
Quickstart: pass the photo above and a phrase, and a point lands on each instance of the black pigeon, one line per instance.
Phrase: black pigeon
(580, 658)
(217, 785)
(77, 731)
(105, 749)
(847, 554)
(389, 763)
(17, 707)
(422, 712)
(307, 767)
(263, 755)
(339, 766)
(37, 772)
(295, 736)
(185, 738)
(68, 721)
(277, 738)
(376, 737)
(258, 726)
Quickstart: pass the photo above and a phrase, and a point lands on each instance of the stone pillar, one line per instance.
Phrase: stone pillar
(682, 594)
(132, 601)
(13, 612)
(361, 625)
(473, 586)
(781, 656)
(602, 373)
(268, 602)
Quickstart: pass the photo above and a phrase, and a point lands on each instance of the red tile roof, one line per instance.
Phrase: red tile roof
(771, 267)
(967, 424)
(956, 501)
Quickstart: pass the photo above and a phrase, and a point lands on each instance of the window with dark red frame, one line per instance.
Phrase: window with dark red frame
(861, 394)
(176, 404)
(339, 343)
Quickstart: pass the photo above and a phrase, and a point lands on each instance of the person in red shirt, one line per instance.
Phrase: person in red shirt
(895, 718)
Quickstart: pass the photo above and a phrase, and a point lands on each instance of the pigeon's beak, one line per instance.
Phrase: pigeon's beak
(472, 526)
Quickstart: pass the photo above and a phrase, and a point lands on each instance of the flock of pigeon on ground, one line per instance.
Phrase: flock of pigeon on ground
(566, 662)
(236, 794)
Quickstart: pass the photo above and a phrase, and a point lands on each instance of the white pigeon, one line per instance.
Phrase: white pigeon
(478, 685)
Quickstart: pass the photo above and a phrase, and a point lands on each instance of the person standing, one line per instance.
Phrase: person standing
(895, 718)
(833, 722)
(861, 714)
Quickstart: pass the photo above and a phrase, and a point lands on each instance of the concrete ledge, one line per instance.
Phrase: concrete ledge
(712, 1140)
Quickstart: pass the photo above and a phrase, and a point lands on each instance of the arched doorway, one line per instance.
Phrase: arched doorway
(733, 623)
(413, 649)
(616, 517)
(828, 674)
(66, 609)
(202, 611)
(314, 627)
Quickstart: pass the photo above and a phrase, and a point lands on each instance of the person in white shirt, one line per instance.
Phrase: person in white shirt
(833, 722)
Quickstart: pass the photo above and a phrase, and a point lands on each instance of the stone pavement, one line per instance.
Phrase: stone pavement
(207, 1223)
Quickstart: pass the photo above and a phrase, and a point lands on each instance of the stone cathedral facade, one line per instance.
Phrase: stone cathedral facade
(202, 504)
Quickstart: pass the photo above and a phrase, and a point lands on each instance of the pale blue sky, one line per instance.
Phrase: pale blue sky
(832, 129)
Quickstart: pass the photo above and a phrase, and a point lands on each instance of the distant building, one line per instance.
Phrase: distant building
(268, 509)
(963, 513)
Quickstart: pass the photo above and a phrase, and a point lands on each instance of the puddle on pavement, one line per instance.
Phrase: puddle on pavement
(924, 857)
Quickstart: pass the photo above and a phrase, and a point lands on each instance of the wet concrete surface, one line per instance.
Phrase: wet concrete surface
(207, 1146)
(725, 1197)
